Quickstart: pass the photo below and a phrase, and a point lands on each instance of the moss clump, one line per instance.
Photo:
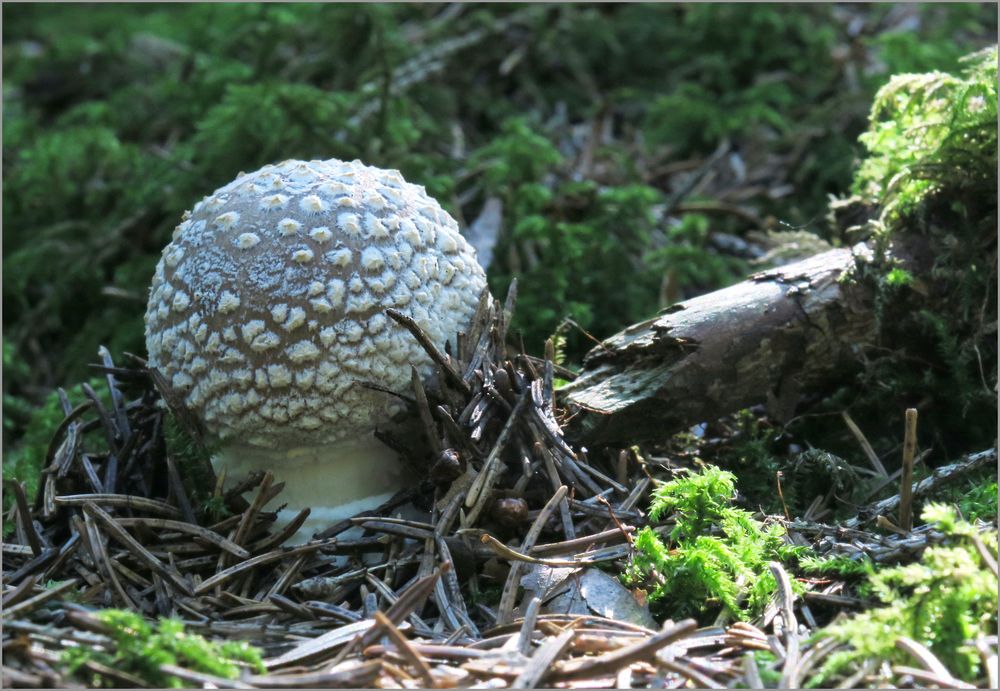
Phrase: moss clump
(837, 566)
(715, 554)
(932, 168)
(141, 649)
(929, 133)
(930, 178)
(944, 601)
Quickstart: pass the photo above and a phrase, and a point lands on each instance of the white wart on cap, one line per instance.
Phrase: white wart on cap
(267, 307)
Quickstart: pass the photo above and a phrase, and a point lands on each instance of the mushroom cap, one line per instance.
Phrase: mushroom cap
(266, 308)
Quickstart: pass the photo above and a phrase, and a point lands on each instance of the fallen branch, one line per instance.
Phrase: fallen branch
(768, 339)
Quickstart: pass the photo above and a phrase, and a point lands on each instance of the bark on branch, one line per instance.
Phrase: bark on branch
(766, 340)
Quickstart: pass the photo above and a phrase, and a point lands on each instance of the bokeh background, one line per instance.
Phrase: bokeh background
(619, 157)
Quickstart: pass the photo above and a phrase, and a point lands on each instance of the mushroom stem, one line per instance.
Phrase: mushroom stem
(336, 481)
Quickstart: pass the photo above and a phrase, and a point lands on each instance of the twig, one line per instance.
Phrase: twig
(944, 681)
(36, 600)
(410, 601)
(206, 681)
(984, 553)
(989, 658)
(906, 478)
(933, 482)
(312, 648)
(24, 521)
(594, 667)
(140, 552)
(512, 583)
(432, 350)
(277, 555)
(407, 650)
(189, 528)
(542, 661)
(621, 533)
(924, 656)
(865, 446)
(122, 501)
(360, 676)
(789, 671)
(528, 624)
(481, 486)
(179, 493)
(420, 396)
(569, 530)
(699, 679)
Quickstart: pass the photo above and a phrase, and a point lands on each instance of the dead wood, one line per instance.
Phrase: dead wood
(769, 339)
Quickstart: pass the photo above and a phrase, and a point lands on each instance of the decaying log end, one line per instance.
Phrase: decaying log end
(781, 332)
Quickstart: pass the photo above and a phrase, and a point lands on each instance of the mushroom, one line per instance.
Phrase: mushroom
(266, 312)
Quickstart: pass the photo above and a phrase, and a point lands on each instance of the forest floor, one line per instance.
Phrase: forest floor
(510, 587)
(851, 542)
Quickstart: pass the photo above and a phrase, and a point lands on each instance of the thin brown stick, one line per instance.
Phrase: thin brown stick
(942, 681)
(542, 661)
(423, 408)
(791, 635)
(432, 350)
(40, 598)
(581, 544)
(925, 657)
(24, 521)
(512, 583)
(403, 645)
(984, 553)
(133, 545)
(479, 491)
(189, 528)
(244, 566)
(612, 662)
(100, 557)
(938, 478)
(906, 479)
(205, 681)
(120, 500)
(866, 447)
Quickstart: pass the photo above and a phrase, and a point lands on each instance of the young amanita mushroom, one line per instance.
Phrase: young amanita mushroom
(267, 309)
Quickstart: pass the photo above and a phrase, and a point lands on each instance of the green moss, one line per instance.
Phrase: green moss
(931, 132)
(906, 51)
(975, 497)
(943, 601)
(930, 174)
(16, 409)
(837, 566)
(715, 555)
(897, 278)
(766, 662)
(752, 455)
(141, 649)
